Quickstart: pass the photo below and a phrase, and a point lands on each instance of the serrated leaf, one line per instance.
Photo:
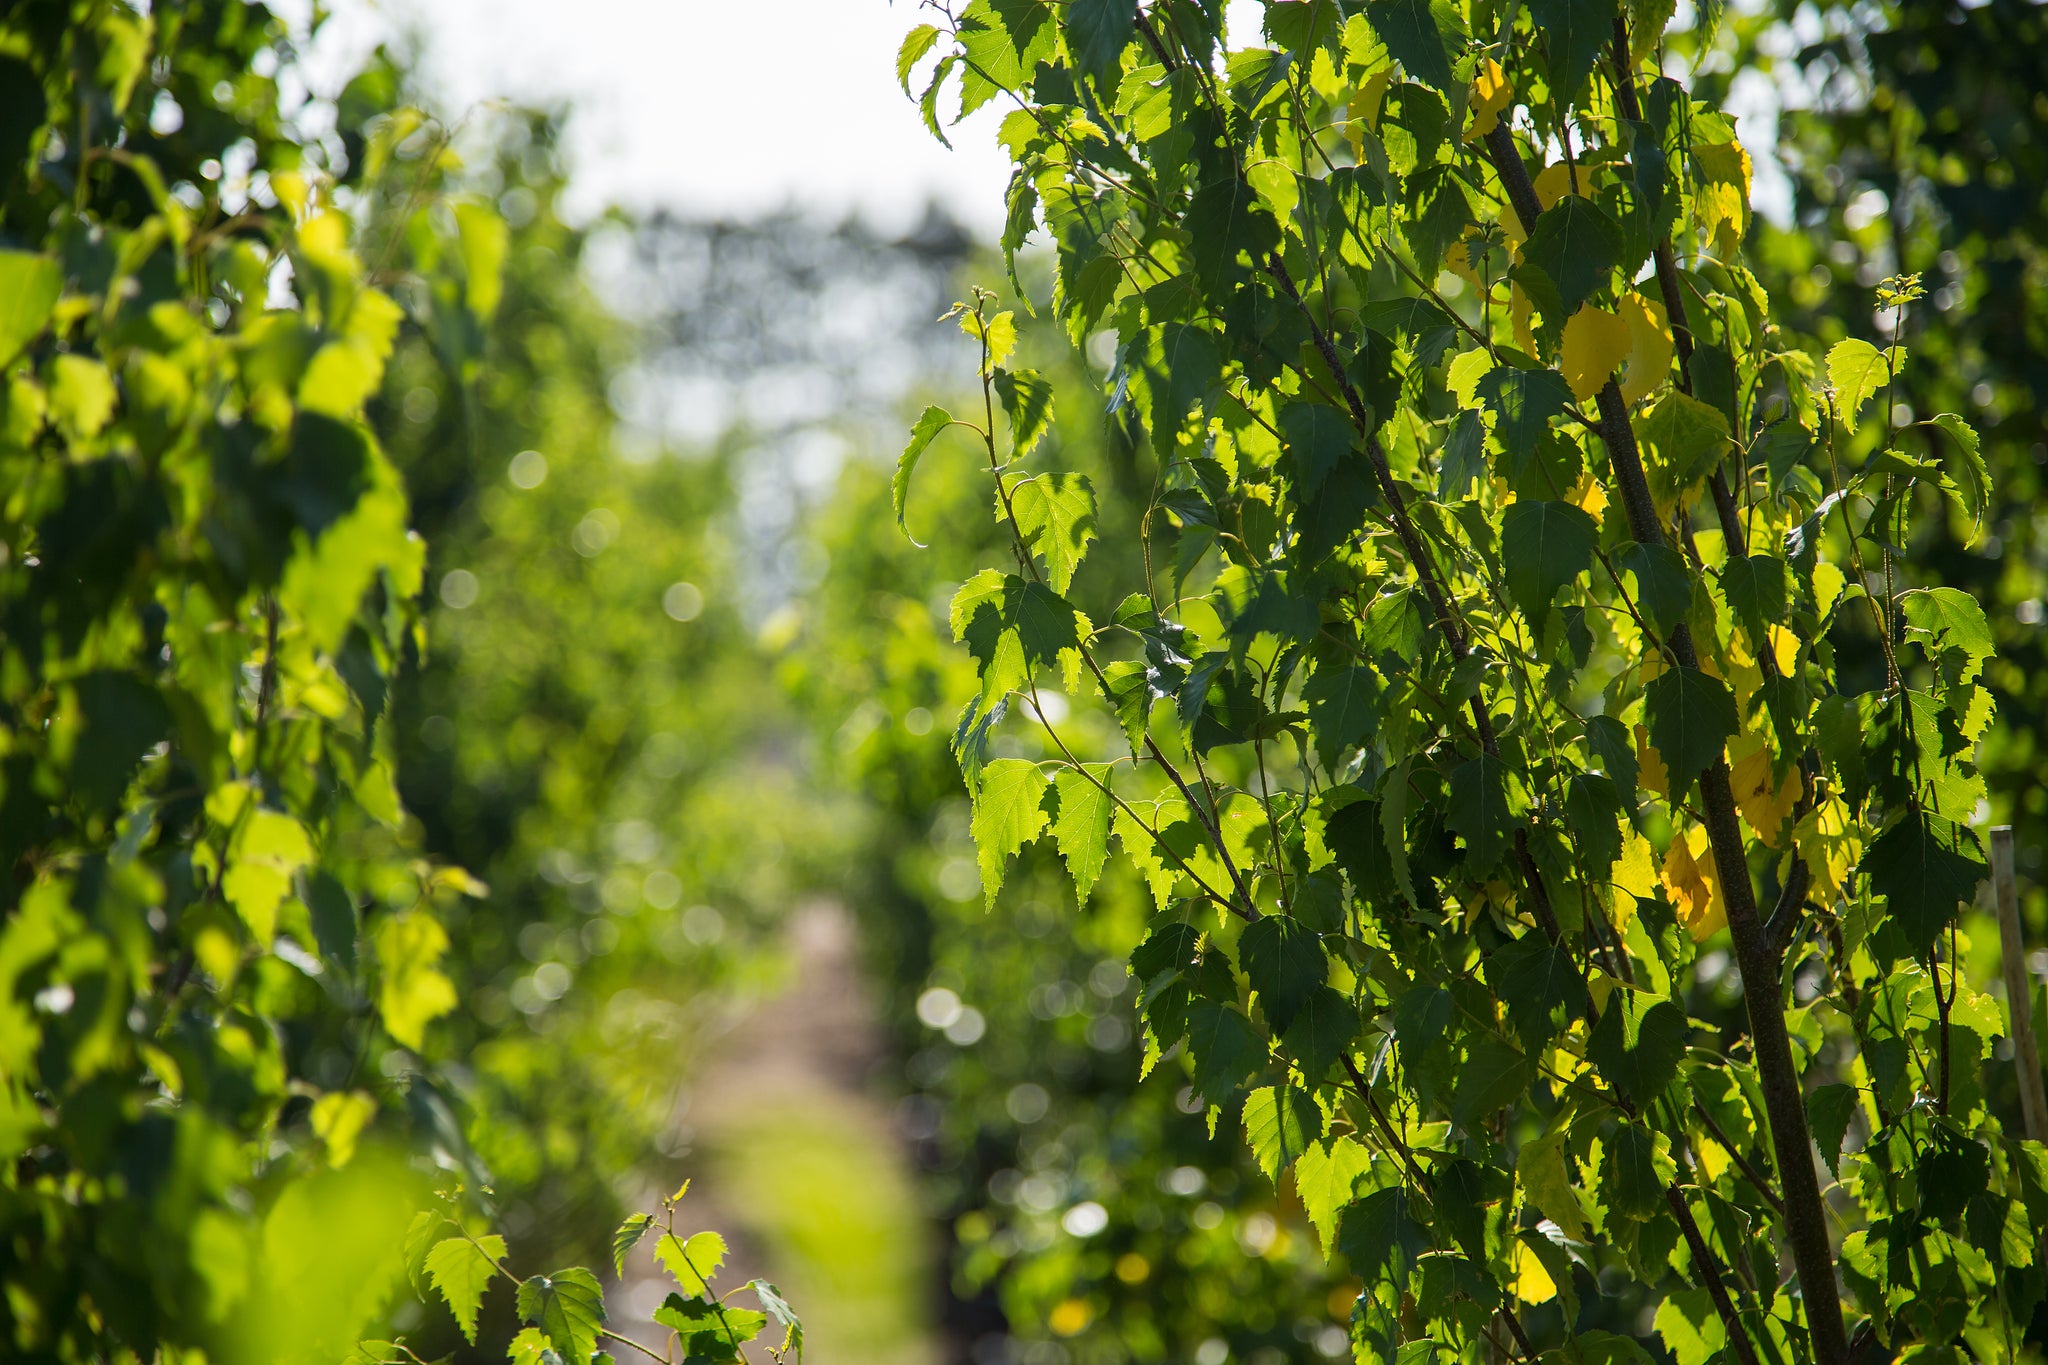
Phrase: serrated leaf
(1540, 985)
(930, 423)
(1318, 439)
(461, 1269)
(1577, 245)
(915, 45)
(1284, 961)
(1027, 402)
(997, 334)
(1280, 1121)
(1828, 1111)
(1009, 812)
(1324, 1178)
(1544, 1170)
(1638, 1043)
(1479, 810)
(1343, 702)
(1963, 460)
(1545, 546)
(627, 1237)
(1522, 403)
(1056, 516)
(1925, 868)
(568, 1306)
(691, 1262)
(1683, 439)
(1857, 370)
(1948, 618)
(1098, 31)
(1413, 36)
(778, 1308)
(1324, 1027)
(1575, 32)
(1226, 1051)
(1081, 828)
(1691, 717)
(1663, 584)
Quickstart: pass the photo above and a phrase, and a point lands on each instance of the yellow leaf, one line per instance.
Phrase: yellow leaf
(1490, 94)
(412, 993)
(1649, 347)
(339, 1119)
(1589, 495)
(1365, 105)
(1555, 182)
(1635, 872)
(1694, 884)
(1521, 310)
(1650, 769)
(1532, 1282)
(1784, 647)
(1595, 343)
(1829, 849)
(694, 1262)
(1713, 1157)
(1750, 775)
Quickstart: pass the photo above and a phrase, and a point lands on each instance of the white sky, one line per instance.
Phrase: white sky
(680, 104)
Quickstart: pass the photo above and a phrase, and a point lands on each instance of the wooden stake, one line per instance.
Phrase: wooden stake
(2019, 983)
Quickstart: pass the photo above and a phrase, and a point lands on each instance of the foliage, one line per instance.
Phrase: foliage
(221, 954)
(564, 1309)
(1447, 744)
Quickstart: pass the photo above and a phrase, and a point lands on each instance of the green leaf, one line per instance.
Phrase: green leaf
(1318, 439)
(1225, 1049)
(1009, 812)
(1284, 961)
(1493, 1076)
(1756, 587)
(1082, 826)
(1828, 1111)
(694, 1262)
(1577, 246)
(1925, 867)
(1479, 809)
(1382, 1236)
(1343, 704)
(1098, 31)
(82, 395)
(462, 1270)
(1858, 370)
(1683, 439)
(1224, 219)
(1541, 986)
(1545, 1172)
(1027, 402)
(627, 1237)
(1323, 1029)
(916, 44)
(1639, 1167)
(1663, 590)
(930, 423)
(778, 1308)
(1963, 460)
(1056, 516)
(485, 238)
(1545, 546)
(568, 1306)
(1691, 717)
(1638, 1043)
(1280, 1121)
(1324, 1178)
(1522, 403)
(1575, 33)
(29, 288)
(1411, 31)
(1948, 618)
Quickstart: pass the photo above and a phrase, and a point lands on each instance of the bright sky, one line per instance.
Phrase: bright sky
(679, 103)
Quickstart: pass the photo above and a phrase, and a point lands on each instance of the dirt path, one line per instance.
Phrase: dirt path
(796, 1162)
